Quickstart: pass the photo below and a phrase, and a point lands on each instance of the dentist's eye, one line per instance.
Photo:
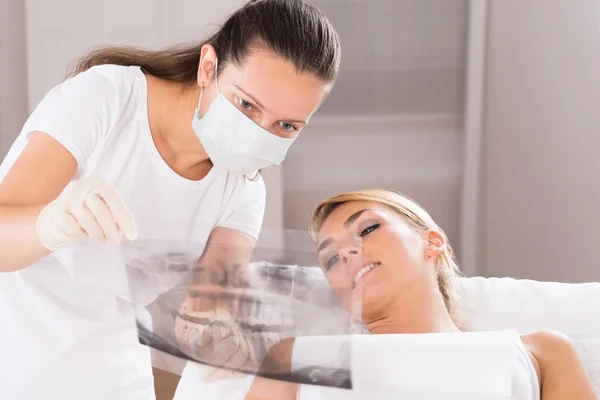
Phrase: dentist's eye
(286, 126)
(245, 105)
(368, 230)
(331, 262)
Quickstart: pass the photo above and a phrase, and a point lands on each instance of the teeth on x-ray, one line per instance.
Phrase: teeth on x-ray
(220, 313)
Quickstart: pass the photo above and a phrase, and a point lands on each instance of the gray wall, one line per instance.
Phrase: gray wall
(60, 31)
(399, 56)
(541, 166)
(13, 72)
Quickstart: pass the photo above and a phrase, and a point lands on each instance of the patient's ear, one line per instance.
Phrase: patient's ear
(435, 243)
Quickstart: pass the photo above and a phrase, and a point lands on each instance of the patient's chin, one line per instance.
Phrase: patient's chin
(372, 299)
(368, 297)
(366, 310)
(371, 288)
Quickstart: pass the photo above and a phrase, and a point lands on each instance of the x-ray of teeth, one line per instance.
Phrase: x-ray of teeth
(228, 307)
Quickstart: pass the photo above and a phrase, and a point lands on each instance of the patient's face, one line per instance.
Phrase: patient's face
(370, 254)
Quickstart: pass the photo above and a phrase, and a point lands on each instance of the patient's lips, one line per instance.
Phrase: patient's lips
(366, 269)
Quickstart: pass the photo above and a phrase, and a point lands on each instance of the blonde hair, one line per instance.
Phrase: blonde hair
(417, 217)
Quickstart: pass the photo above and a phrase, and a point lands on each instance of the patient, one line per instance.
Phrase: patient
(383, 249)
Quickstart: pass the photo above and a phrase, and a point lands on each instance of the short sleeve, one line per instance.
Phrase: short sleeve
(79, 112)
(248, 216)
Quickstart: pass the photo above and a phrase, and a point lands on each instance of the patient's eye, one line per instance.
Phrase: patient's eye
(368, 230)
(331, 262)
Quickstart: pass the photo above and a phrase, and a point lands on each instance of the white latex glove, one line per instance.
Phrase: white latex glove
(90, 207)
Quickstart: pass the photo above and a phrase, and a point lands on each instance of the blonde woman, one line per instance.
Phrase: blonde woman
(385, 249)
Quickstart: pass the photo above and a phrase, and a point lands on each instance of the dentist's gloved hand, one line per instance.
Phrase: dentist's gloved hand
(89, 207)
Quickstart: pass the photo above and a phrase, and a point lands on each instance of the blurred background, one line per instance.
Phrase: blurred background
(485, 112)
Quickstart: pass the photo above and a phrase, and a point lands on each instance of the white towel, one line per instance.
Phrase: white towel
(431, 366)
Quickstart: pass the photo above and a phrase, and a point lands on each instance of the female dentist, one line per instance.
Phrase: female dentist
(142, 143)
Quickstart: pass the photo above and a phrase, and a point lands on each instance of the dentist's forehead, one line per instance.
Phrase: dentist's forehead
(277, 85)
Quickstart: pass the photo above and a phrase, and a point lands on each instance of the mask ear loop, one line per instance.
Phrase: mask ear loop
(255, 178)
(216, 75)
(199, 101)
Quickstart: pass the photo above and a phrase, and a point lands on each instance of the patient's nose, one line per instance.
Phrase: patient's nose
(351, 252)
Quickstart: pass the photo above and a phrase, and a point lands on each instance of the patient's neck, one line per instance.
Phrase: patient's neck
(426, 314)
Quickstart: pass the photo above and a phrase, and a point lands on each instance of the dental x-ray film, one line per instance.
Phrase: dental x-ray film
(239, 310)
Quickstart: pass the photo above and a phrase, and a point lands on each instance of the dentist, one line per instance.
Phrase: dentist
(137, 143)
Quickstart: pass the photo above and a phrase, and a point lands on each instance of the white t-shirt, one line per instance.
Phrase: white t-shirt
(64, 334)
(525, 385)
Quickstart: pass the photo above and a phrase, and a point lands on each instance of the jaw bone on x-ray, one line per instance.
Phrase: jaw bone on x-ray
(238, 310)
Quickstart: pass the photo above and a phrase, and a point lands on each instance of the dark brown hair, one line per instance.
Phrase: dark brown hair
(291, 29)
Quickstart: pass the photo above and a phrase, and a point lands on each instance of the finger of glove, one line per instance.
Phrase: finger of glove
(104, 218)
(70, 229)
(238, 360)
(88, 223)
(122, 216)
(222, 350)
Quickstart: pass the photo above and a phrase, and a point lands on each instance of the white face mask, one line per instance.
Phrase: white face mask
(233, 141)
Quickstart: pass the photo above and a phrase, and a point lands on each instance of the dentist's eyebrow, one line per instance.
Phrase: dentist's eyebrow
(351, 219)
(250, 96)
(300, 121)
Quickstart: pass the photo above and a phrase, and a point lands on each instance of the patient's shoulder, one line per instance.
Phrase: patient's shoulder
(549, 344)
(547, 348)
(563, 374)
